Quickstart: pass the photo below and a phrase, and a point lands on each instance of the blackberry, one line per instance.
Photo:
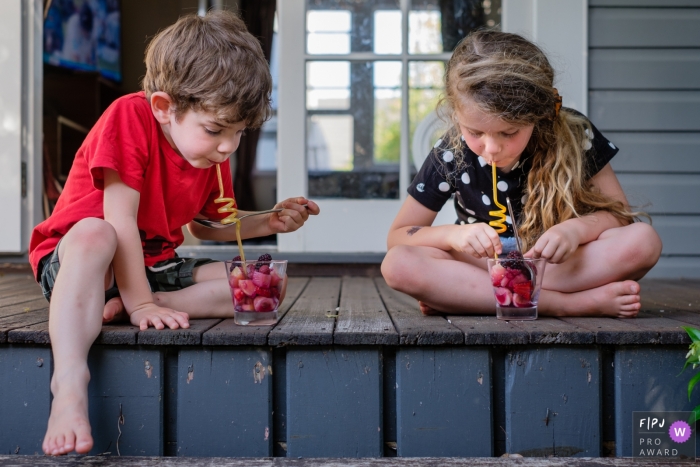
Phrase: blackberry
(237, 258)
(263, 259)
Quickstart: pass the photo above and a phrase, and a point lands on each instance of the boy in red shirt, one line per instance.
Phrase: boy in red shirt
(146, 169)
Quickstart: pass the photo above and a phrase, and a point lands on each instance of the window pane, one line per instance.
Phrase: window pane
(425, 81)
(329, 142)
(387, 32)
(328, 85)
(437, 26)
(387, 112)
(328, 32)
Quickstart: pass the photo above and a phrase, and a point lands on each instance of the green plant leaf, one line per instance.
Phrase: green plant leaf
(694, 333)
(692, 383)
(694, 415)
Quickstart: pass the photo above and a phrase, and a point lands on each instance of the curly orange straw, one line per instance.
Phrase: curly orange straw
(498, 225)
(230, 219)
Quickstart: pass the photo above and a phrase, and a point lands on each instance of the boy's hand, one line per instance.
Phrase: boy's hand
(158, 317)
(294, 214)
(479, 240)
(556, 245)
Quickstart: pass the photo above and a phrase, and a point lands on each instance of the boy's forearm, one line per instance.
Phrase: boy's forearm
(128, 265)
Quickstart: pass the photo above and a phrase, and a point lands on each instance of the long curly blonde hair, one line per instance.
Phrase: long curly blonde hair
(507, 76)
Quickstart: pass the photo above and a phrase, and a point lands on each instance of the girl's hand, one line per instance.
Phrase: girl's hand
(158, 317)
(479, 240)
(294, 214)
(556, 245)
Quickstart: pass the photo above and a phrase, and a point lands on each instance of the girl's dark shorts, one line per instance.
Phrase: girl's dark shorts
(164, 276)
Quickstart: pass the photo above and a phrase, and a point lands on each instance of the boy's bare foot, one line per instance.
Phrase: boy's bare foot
(69, 426)
(614, 300)
(427, 311)
(114, 311)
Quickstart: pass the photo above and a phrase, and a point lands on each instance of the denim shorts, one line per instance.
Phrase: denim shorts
(164, 276)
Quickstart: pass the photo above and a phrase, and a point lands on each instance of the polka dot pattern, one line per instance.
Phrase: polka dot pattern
(482, 161)
(444, 186)
(437, 143)
(502, 186)
(448, 156)
(471, 220)
(486, 200)
(465, 178)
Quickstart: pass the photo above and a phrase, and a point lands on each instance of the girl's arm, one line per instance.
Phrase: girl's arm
(559, 242)
(412, 226)
(294, 215)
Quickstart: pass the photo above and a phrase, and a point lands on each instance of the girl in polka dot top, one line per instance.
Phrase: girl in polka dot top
(553, 165)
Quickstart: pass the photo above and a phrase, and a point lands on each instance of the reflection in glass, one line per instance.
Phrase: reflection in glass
(328, 32)
(425, 82)
(328, 85)
(329, 142)
(387, 112)
(387, 32)
(436, 26)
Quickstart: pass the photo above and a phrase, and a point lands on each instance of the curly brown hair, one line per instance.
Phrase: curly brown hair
(508, 76)
(212, 64)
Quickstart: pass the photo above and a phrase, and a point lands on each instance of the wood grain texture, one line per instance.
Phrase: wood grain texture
(362, 317)
(487, 330)
(189, 336)
(554, 331)
(228, 332)
(9, 323)
(615, 331)
(413, 327)
(311, 319)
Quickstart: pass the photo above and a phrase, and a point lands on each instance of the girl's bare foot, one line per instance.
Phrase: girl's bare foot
(114, 311)
(427, 311)
(69, 426)
(614, 300)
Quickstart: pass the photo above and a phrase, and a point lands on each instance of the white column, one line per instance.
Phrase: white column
(560, 28)
(291, 114)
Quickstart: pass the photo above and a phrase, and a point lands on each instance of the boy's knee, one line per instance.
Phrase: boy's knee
(94, 235)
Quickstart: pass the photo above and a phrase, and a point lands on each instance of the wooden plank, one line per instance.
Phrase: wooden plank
(647, 379)
(669, 330)
(554, 331)
(658, 193)
(615, 331)
(310, 321)
(639, 27)
(126, 383)
(229, 333)
(228, 391)
(19, 321)
(26, 307)
(362, 318)
(19, 286)
(189, 336)
(334, 402)
(644, 110)
(20, 297)
(665, 294)
(443, 400)
(551, 396)
(412, 326)
(639, 152)
(13, 278)
(34, 334)
(643, 69)
(25, 374)
(118, 334)
(487, 330)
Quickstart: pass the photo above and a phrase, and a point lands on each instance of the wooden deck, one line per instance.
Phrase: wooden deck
(354, 370)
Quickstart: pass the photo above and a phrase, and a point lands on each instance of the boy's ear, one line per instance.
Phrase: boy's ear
(161, 105)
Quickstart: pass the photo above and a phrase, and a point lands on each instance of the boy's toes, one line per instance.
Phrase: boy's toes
(83, 442)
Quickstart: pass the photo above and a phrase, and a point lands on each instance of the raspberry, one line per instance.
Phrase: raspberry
(265, 269)
(264, 258)
(263, 292)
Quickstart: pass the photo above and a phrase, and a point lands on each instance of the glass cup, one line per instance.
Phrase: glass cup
(256, 287)
(516, 286)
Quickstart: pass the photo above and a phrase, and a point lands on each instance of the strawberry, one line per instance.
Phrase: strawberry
(503, 296)
(261, 280)
(521, 302)
(248, 287)
(523, 289)
(497, 273)
(238, 295)
(264, 304)
(263, 292)
(274, 278)
(265, 269)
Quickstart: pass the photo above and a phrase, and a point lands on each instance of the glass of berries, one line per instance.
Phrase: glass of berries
(257, 289)
(516, 285)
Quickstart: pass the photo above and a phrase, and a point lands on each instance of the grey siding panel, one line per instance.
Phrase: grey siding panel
(625, 27)
(679, 234)
(652, 3)
(675, 267)
(656, 152)
(663, 193)
(645, 110)
(644, 69)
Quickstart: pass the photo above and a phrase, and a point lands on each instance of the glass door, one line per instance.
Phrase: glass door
(356, 79)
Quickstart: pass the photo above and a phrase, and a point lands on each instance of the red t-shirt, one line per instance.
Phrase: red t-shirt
(128, 139)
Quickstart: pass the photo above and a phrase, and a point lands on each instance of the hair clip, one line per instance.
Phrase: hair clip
(557, 102)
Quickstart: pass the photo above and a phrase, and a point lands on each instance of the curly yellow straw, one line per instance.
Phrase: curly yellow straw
(230, 219)
(499, 224)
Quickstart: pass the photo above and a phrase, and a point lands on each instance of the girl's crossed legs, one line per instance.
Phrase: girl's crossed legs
(597, 280)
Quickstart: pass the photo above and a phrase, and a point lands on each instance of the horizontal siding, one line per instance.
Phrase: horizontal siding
(676, 267)
(645, 110)
(679, 234)
(663, 193)
(656, 152)
(654, 27)
(644, 69)
(645, 3)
